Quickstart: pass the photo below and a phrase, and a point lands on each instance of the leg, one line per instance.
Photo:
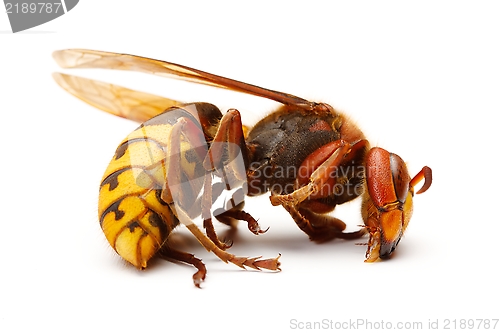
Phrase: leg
(181, 192)
(206, 204)
(169, 253)
(316, 196)
(319, 166)
(226, 158)
(373, 251)
(320, 227)
(270, 264)
(319, 177)
(212, 235)
(237, 213)
(228, 151)
(174, 172)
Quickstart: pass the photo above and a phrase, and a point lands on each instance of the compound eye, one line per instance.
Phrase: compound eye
(400, 177)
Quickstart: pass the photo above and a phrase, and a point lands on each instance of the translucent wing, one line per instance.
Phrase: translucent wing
(79, 58)
(114, 99)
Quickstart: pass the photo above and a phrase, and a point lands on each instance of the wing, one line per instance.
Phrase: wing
(79, 58)
(117, 100)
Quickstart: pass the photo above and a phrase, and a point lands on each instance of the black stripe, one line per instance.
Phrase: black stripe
(112, 179)
(122, 149)
(113, 208)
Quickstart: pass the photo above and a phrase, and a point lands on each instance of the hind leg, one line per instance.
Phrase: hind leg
(169, 253)
(255, 263)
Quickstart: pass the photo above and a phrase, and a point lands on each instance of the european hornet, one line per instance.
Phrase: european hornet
(309, 156)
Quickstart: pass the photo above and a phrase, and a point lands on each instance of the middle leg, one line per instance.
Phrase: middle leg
(231, 216)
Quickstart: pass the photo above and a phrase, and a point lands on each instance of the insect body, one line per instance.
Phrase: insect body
(307, 155)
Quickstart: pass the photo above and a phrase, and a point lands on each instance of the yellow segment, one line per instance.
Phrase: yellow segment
(150, 229)
(138, 153)
(128, 247)
(159, 133)
(147, 249)
(132, 208)
(133, 236)
(165, 212)
(126, 186)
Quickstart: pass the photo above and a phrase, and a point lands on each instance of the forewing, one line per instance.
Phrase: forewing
(119, 101)
(79, 58)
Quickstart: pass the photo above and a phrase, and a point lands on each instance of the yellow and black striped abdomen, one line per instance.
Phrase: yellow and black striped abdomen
(133, 217)
(137, 210)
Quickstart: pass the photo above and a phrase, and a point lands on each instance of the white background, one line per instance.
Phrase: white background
(421, 80)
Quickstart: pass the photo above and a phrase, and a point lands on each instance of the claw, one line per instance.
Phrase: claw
(198, 280)
(200, 275)
(270, 264)
(263, 231)
(228, 243)
(255, 228)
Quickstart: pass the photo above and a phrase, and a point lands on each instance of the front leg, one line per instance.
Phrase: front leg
(320, 227)
(316, 190)
(319, 174)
